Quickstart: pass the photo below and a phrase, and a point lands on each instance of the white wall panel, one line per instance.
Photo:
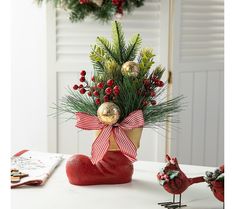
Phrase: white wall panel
(198, 75)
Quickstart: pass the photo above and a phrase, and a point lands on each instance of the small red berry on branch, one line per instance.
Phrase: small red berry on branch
(153, 102)
(89, 94)
(159, 83)
(100, 85)
(110, 82)
(106, 98)
(116, 90)
(108, 91)
(97, 101)
(80, 86)
(84, 1)
(146, 82)
(145, 103)
(83, 73)
(93, 78)
(75, 87)
(96, 93)
(152, 93)
(82, 91)
(82, 79)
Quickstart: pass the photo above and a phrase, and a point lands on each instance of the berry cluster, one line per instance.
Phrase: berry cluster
(119, 5)
(82, 88)
(101, 91)
(163, 176)
(148, 92)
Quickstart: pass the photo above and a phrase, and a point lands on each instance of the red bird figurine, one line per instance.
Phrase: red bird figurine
(216, 182)
(174, 181)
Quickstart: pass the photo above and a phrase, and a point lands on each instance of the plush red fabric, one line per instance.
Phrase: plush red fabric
(114, 168)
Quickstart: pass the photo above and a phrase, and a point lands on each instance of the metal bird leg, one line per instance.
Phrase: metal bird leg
(173, 204)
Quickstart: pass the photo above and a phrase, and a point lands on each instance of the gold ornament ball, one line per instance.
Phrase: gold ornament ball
(130, 69)
(108, 113)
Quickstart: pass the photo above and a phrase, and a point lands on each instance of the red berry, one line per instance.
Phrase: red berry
(154, 78)
(108, 91)
(96, 93)
(82, 91)
(89, 94)
(93, 78)
(82, 79)
(106, 98)
(110, 82)
(97, 101)
(93, 88)
(145, 103)
(161, 84)
(80, 86)
(116, 90)
(100, 85)
(152, 93)
(83, 73)
(84, 1)
(146, 82)
(153, 102)
(75, 87)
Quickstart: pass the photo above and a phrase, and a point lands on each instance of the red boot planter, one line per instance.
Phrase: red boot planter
(174, 181)
(113, 151)
(216, 182)
(114, 168)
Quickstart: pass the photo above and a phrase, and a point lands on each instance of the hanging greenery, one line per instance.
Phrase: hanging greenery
(103, 10)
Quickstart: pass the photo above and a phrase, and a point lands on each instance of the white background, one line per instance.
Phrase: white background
(29, 76)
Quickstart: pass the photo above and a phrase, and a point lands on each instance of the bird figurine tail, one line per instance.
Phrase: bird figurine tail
(196, 180)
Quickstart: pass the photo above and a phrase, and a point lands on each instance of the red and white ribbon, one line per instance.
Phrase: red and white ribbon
(101, 144)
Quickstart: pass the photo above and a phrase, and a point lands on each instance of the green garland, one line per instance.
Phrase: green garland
(142, 92)
(103, 10)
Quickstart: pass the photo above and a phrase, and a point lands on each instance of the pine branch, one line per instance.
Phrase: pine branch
(108, 48)
(133, 47)
(119, 44)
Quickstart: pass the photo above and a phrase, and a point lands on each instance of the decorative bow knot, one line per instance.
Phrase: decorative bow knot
(101, 144)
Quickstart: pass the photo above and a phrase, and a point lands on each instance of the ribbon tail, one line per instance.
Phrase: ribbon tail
(100, 145)
(125, 145)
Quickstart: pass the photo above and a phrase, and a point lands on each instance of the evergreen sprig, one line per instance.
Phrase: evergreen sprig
(142, 92)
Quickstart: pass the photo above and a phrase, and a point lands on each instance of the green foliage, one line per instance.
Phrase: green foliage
(146, 60)
(75, 102)
(119, 45)
(133, 47)
(105, 12)
(107, 58)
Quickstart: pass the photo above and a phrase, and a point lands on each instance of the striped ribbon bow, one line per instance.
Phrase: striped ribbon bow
(101, 144)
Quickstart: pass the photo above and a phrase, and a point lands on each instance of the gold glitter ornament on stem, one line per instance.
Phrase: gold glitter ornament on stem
(108, 113)
(130, 69)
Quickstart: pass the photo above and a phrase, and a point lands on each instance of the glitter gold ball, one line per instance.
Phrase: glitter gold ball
(130, 69)
(108, 113)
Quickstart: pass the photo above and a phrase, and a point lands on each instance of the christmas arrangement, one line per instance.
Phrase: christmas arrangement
(124, 95)
(103, 10)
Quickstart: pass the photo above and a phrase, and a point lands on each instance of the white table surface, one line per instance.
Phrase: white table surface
(144, 192)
